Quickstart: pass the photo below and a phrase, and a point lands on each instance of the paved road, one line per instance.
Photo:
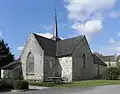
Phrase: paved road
(113, 89)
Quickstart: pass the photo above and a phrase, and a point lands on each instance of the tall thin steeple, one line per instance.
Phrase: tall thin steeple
(55, 32)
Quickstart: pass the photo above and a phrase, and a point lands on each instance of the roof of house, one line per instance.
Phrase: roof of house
(12, 64)
(48, 45)
(108, 58)
(58, 48)
(67, 46)
(98, 61)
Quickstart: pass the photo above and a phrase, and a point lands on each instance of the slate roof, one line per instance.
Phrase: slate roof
(108, 58)
(48, 45)
(67, 46)
(98, 61)
(12, 64)
(59, 48)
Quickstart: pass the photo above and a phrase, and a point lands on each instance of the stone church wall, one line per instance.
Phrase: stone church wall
(51, 67)
(99, 70)
(102, 70)
(33, 47)
(66, 65)
(96, 70)
(80, 73)
(58, 67)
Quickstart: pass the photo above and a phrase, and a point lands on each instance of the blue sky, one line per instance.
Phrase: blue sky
(99, 20)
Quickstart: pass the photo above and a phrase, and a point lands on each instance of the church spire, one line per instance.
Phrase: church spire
(55, 32)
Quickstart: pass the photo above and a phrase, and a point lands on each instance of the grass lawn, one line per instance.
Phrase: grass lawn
(88, 83)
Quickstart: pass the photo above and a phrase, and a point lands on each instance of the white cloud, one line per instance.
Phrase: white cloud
(47, 35)
(20, 48)
(88, 15)
(88, 27)
(81, 10)
(118, 34)
(114, 14)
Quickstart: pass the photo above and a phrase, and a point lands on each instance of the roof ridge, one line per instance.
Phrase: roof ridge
(42, 36)
(72, 37)
(77, 45)
(99, 59)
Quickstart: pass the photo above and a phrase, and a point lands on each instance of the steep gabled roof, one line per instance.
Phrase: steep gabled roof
(58, 48)
(98, 61)
(48, 45)
(67, 46)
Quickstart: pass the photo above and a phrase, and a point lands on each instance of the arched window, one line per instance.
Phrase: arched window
(84, 61)
(30, 63)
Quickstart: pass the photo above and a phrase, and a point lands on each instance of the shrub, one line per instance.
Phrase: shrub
(24, 84)
(112, 73)
(21, 84)
(43, 84)
(5, 85)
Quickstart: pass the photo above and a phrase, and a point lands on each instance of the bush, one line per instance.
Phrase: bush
(43, 84)
(21, 84)
(5, 85)
(112, 73)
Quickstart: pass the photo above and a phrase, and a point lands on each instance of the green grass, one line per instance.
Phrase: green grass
(89, 83)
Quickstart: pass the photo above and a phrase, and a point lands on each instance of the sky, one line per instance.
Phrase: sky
(99, 20)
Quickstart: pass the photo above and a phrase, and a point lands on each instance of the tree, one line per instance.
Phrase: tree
(6, 56)
(112, 73)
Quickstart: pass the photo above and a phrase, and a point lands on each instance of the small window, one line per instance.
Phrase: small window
(84, 61)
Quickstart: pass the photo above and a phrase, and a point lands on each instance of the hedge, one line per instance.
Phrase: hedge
(112, 73)
(7, 84)
(21, 84)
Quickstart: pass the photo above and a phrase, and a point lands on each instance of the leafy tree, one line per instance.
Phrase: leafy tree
(112, 73)
(6, 56)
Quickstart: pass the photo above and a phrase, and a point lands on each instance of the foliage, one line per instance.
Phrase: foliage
(5, 55)
(112, 73)
(8, 84)
(21, 84)
(45, 84)
(5, 85)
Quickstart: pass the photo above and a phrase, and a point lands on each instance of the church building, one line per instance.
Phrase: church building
(71, 58)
